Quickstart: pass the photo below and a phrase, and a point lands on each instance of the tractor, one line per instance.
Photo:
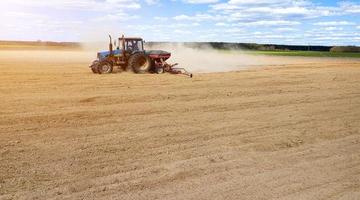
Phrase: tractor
(131, 55)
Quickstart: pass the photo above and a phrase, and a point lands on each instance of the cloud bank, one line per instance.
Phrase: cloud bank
(260, 21)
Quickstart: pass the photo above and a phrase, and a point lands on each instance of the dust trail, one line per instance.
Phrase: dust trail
(207, 59)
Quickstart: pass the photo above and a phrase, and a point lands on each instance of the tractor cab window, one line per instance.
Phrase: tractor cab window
(133, 45)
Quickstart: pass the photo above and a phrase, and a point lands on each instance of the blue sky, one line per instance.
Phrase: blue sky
(260, 21)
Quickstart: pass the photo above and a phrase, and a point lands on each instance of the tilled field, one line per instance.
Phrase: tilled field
(274, 132)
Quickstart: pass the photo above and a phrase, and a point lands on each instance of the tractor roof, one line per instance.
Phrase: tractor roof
(131, 38)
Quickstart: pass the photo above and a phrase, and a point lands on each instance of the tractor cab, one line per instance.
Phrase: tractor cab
(125, 47)
(132, 44)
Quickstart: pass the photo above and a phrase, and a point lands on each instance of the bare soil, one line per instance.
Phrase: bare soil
(289, 131)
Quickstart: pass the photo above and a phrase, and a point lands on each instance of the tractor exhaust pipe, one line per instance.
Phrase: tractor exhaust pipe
(123, 46)
(111, 46)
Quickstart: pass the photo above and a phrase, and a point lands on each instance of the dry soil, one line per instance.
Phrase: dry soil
(289, 131)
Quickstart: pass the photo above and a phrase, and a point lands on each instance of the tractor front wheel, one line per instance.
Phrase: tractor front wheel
(105, 68)
(140, 63)
(94, 67)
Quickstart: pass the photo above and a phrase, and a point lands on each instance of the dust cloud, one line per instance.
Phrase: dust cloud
(207, 59)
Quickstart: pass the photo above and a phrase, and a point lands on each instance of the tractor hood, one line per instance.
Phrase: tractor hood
(104, 54)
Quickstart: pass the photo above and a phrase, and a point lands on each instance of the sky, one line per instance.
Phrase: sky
(306, 22)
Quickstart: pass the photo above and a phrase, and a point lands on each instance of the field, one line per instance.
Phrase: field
(279, 131)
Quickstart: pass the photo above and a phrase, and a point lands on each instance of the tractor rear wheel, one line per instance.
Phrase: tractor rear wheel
(140, 63)
(105, 68)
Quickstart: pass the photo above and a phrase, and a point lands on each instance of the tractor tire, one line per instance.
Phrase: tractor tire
(159, 70)
(105, 68)
(94, 67)
(94, 70)
(140, 63)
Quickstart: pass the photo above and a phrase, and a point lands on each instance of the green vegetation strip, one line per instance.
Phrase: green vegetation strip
(306, 53)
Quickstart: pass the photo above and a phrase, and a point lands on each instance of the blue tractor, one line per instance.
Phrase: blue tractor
(130, 54)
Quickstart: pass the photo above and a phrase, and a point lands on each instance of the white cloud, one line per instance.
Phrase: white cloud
(274, 9)
(286, 29)
(333, 28)
(63, 19)
(242, 20)
(198, 17)
(200, 1)
(162, 19)
(222, 24)
(76, 4)
(234, 30)
(182, 17)
(271, 23)
(120, 16)
(152, 2)
(350, 7)
(179, 31)
(335, 23)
